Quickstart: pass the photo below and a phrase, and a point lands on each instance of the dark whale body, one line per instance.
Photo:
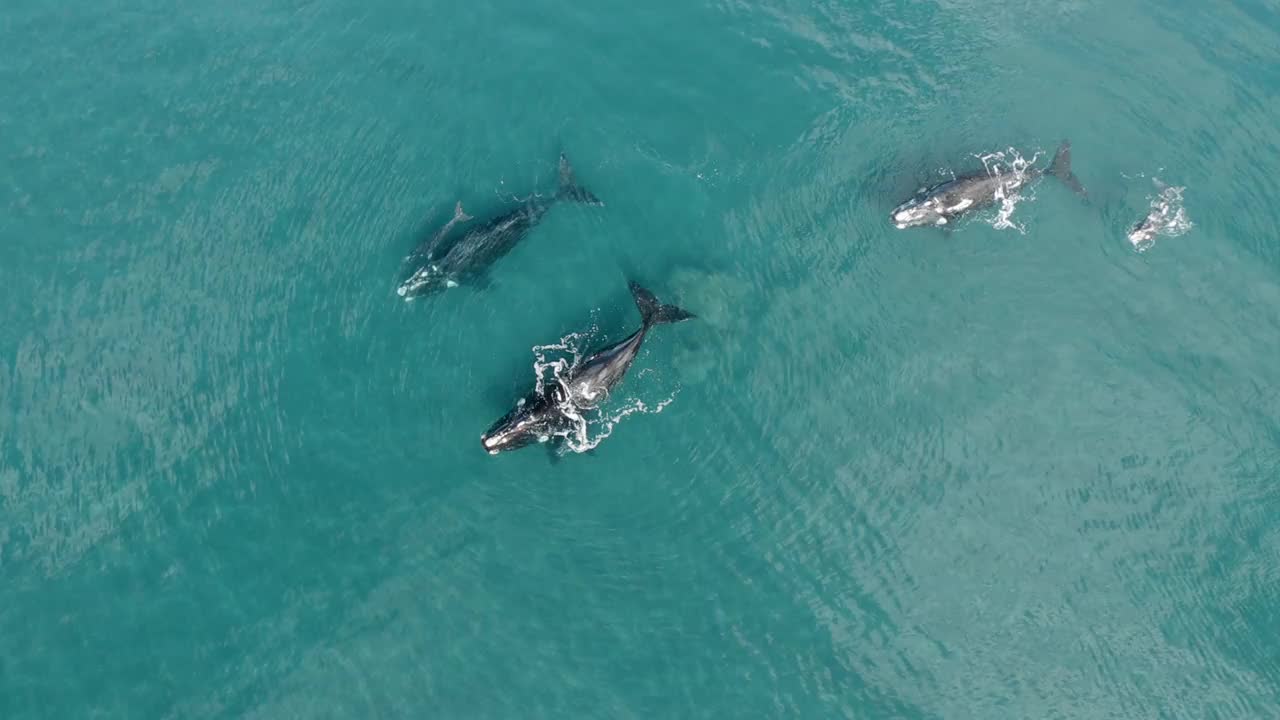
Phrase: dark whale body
(469, 259)
(542, 415)
(941, 204)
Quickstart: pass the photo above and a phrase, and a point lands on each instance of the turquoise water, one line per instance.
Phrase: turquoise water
(989, 473)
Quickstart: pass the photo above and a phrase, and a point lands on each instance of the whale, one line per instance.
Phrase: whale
(554, 410)
(942, 204)
(467, 260)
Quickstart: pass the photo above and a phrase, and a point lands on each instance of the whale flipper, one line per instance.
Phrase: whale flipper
(654, 312)
(570, 189)
(1061, 169)
(436, 244)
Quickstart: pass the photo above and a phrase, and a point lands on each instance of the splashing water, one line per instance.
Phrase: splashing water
(588, 432)
(588, 427)
(1167, 217)
(1012, 168)
(570, 350)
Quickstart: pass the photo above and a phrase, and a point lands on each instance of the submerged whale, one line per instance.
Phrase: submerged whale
(470, 257)
(940, 204)
(541, 415)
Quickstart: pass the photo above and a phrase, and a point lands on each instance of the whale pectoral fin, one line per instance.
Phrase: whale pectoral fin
(554, 452)
(570, 189)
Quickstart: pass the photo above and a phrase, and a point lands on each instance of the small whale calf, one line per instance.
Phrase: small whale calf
(428, 250)
(541, 415)
(470, 257)
(1143, 234)
(1166, 217)
(941, 204)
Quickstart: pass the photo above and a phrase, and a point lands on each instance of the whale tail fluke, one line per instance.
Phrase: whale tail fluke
(460, 215)
(654, 312)
(1061, 169)
(569, 187)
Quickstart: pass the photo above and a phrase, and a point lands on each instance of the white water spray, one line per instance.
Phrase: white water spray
(1011, 168)
(555, 362)
(1166, 217)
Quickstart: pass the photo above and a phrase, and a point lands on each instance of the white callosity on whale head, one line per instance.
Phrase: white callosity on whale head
(906, 218)
(493, 443)
(930, 211)
(410, 287)
(424, 279)
(1168, 217)
(1143, 236)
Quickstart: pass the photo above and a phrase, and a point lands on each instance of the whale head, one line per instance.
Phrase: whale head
(426, 280)
(1143, 235)
(535, 418)
(918, 212)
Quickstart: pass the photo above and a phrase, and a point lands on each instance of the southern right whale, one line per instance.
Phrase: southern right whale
(1166, 216)
(469, 258)
(940, 204)
(552, 411)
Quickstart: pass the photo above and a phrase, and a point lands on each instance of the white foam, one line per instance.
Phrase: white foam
(586, 428)
(1167, 217)
(1011, 168)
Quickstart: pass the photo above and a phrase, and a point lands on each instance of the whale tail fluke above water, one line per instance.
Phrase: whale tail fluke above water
(570, 189)
(654, 312)
(1061, 168)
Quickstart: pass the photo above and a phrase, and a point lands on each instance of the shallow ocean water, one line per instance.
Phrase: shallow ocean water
(905, 474)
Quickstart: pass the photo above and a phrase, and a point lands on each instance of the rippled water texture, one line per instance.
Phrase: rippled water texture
(905, 473)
